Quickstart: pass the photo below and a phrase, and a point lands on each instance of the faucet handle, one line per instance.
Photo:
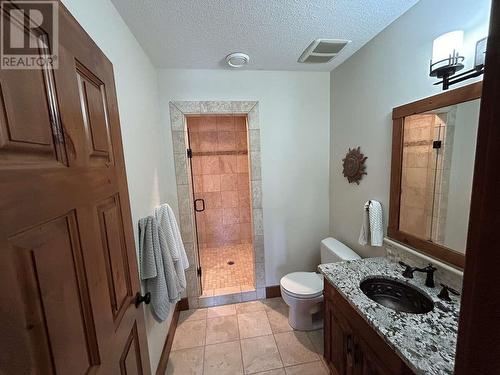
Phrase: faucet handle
(430, 267)
(408, 272)
(451, 290)
(444, 295)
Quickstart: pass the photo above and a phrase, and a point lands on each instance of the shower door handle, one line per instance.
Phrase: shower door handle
(202, 205)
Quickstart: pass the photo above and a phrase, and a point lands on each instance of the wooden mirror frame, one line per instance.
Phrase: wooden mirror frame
(445, 99)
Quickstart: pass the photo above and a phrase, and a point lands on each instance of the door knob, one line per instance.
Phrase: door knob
(140, 299)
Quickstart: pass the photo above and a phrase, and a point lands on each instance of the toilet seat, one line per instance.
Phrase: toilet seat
(302, 285)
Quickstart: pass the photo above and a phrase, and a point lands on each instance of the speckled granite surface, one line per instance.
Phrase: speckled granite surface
(426, 342)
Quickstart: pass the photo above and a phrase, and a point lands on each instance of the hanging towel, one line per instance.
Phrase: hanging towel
(157, 269)
(173, 241)
(376, 223)
(364, 234)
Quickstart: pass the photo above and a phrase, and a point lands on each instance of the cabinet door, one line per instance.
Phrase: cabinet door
(327, 339)
(352, 347)
(367, 362)
(348, 344)
(334, 341)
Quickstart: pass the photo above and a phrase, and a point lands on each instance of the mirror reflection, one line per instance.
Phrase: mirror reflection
(437, 169)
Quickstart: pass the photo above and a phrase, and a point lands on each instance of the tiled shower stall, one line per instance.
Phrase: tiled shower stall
(221, 184)
(238, 233)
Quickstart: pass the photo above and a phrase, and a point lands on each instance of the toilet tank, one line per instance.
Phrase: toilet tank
(333, 251)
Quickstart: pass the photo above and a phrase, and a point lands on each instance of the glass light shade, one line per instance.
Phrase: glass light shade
(445, 44)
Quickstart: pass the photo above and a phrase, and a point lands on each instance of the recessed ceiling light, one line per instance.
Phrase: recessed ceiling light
(237, 59)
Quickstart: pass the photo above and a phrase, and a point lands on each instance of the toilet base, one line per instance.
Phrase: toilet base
(305, 320)
(304, 314)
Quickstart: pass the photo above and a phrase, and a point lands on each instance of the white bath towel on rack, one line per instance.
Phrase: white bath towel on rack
(157, 269)
(168, 226)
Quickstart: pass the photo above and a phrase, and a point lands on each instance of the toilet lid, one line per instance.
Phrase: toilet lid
(303, 284)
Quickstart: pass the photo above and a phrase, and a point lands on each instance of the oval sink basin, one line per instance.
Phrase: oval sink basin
(396, 295)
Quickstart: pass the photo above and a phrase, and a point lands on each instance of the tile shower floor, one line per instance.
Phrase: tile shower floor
(245, 338)
(220, 277)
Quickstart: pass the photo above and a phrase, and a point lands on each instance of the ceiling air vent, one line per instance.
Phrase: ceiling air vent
(322, 50)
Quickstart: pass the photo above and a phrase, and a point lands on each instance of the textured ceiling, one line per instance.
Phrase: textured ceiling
(198, 34)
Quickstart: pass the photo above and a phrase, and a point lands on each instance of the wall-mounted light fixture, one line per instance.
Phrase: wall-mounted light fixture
(446, 59)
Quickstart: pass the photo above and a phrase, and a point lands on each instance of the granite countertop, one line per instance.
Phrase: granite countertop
(426, 342)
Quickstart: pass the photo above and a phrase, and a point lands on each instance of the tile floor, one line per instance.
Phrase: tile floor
(246, 338)
(221, 278)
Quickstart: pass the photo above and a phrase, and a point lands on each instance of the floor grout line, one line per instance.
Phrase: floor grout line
(239, 336)
(279, 353)
(203, 361)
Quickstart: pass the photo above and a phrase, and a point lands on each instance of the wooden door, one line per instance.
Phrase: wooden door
(67, 259)
(478, 346)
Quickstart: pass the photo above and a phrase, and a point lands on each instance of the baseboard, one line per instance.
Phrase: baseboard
(182, 305)
(273, 291)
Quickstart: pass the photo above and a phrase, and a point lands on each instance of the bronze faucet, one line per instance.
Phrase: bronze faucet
(429, 270)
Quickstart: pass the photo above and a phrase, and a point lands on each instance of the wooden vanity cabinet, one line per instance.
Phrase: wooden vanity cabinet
(352, 347)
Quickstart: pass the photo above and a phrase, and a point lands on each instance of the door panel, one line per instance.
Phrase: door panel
(29, 128)
(336, 340)
(94, 111)
(28, 133)
(66, 243)
(327, 327)
(130, 361)
(53, 304)
(369, 363)
(115, 255)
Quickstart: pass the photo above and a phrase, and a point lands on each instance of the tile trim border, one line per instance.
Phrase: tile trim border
(178, 111)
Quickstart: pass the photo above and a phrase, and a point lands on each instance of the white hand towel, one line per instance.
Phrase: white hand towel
(376, 223)
(364, 234)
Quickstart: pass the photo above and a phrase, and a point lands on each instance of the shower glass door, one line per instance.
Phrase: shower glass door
(221, 194)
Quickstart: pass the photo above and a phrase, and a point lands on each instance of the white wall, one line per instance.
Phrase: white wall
(390, 70)
(294, 122)
(143, 143)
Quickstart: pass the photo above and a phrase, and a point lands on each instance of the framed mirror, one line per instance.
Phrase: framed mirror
(433, 152)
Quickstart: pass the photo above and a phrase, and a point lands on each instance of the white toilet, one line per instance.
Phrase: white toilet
(303, 291)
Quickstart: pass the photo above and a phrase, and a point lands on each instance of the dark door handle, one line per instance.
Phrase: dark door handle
(140, 299)
(202, 205)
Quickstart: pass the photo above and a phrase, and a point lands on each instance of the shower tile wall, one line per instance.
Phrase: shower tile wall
(423, 191)
(220, 177)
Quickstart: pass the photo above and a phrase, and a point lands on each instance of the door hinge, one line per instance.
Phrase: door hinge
(199, 271)
(189, 153)
(436, 144)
